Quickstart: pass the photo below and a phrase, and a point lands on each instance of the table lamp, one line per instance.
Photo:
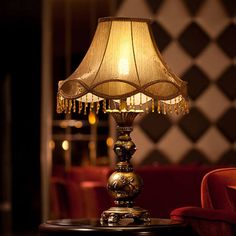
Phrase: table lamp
(123, 74)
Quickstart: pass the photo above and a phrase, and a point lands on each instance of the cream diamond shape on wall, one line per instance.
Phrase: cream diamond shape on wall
(134, 8)
(213, 144)
(176, 58)
(174, 144)
(213, 103)
(173, 16)
(213, 61)
(212, 17)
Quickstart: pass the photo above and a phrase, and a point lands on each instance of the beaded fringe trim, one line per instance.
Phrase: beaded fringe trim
(69, 106)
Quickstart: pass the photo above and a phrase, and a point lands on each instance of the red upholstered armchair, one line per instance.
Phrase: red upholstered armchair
(218, 198)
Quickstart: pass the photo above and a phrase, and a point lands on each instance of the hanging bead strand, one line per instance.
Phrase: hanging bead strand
(63, 105)
(147, 109)
(170, 107)
(92, 104)
(164, 108)
(140, 103)
(176, 107)
(130, 103)
(97, 107)
(109, 104)
(153, 105)
(80, 106)
(74, 105)
(158, 106)
(59, 104)
(70, 106)
(134, 103)
(104, 106)
(66, 106)
(86, 104)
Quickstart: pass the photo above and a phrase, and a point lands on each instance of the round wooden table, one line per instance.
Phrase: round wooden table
(84, 227)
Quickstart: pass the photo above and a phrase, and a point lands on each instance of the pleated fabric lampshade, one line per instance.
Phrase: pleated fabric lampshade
(123, 63)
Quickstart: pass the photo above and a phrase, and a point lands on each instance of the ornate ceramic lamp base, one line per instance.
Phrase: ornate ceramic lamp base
(115, 214)
(124, 184)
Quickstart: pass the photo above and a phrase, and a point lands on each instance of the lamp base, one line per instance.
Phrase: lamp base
(124, 184)
(115, 214)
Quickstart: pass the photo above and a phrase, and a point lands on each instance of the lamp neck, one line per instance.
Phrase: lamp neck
(124, 146)
(124, 149)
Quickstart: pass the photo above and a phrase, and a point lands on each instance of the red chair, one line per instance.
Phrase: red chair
(58, 198)
(218, 199)
(79, 192)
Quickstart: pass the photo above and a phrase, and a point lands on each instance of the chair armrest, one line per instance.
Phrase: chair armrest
(205, 214)
(207, 221)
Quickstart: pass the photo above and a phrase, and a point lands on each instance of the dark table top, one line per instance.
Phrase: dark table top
(68, 227)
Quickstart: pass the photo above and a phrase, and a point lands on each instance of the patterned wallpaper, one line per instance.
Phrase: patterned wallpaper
(197, 38)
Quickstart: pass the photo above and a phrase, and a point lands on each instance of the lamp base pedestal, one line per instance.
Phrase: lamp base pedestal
(115, 214)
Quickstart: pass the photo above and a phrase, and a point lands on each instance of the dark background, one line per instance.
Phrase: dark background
(20, 74)
(20, 98)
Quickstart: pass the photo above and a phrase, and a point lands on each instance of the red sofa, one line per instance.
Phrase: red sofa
(81, 191)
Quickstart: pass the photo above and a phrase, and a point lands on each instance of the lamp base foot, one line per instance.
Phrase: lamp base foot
(115, 214)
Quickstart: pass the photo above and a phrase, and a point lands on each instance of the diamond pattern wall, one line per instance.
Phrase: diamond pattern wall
(197, 39)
